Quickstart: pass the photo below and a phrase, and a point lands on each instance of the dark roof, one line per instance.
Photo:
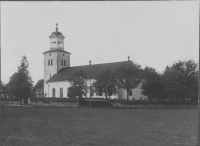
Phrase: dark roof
(57, 50)
(56, 33)
(67, 73)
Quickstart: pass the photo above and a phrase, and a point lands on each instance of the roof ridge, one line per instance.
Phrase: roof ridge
(96, 64)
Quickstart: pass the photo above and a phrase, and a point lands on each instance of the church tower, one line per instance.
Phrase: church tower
(56, 57)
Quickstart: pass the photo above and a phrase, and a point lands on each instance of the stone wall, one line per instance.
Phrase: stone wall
(59, 104)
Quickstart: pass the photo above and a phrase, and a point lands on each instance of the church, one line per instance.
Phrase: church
(58, 72)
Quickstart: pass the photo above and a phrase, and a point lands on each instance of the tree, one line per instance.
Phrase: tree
(173, 82)
(105, 83)
(21, 84)
(38, 89)
(152, 84)
(78, 85)
(4, 90)
(185, 67)
(128, 76)
(181, 80)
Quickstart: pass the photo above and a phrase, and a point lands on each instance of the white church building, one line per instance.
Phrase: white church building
(58, 72)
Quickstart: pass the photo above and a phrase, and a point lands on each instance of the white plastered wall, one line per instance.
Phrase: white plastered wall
(122, 94)
(50, 69)
(136, 94)
(66, 57)
(57, 85)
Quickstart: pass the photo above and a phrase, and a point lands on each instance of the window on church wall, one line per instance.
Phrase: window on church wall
(51, 62)
(63, 54)
(61, 92)
(130, 93)
(49, 54)
(48, 62)
(53, 92)
(61, 62)
(64, 62)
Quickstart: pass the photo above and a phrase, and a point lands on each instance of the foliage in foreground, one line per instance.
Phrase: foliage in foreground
(20, 85)
(38, 89)
(128, 76)
(178, 82)
(78, 85)
(105, 83)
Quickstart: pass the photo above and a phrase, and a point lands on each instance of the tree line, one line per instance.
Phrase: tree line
(178, 81)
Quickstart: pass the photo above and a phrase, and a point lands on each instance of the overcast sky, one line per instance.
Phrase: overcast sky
(152, 33)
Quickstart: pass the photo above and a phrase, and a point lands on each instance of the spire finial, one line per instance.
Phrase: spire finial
(56, 27)
(128, 58)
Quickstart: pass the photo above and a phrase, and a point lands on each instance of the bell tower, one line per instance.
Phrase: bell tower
(55, 58)
(56, 40)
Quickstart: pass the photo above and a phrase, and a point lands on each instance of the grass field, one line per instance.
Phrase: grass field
(98, 127)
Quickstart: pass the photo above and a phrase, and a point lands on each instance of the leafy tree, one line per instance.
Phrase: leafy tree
(21, 84)
(173, 84)
(187, 83)
(180, 80)
(192, 86)
(128, 76)
(38, 89)
(71, 93)
(105, 83)
(4, 90)
(152, 84)
(78, 85)
(185, 67)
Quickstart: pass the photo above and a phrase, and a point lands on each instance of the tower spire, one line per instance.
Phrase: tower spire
(56, 27)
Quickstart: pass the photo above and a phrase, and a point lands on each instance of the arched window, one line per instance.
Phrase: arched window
(51, 62)
(64, 62)
(61, 62)
(53, 92)
(48, 62)
(61, 92)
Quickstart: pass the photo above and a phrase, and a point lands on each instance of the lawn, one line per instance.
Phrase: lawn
(98, 127)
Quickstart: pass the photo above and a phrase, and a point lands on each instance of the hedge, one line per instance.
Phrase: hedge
(164, 102)
(10, 99)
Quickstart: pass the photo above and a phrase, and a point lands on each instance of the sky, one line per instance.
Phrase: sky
(152, 33)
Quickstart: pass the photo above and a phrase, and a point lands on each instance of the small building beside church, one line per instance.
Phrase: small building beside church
(58, 72)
